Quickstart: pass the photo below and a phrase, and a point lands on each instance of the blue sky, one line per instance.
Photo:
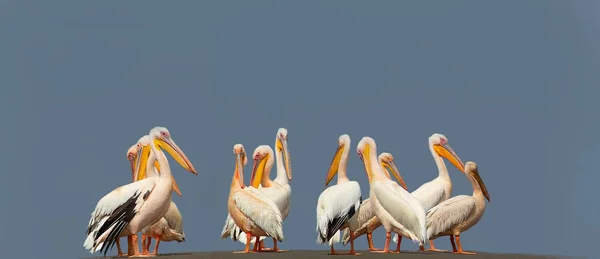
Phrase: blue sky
(512, 84)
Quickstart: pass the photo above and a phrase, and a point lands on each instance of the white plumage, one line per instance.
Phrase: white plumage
(397, 209)
(339, 204)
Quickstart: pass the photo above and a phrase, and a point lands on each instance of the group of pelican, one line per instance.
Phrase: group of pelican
(258, 210)
(143, 205)
(422, 216)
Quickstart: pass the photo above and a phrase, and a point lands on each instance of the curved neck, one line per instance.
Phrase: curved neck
(266, 179)
(281, 173)
(376, 168)
(165, 171)
(237, 181)
(342, 176)
(476, 188)
(439, 161)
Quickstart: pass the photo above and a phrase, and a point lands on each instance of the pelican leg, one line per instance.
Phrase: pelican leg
(398, 245)
(460, 250)
(148, 242)
(432, 247)
(130, 245)
(352, 252)
(155, 252)
(261, 245)
(247, 250)
(453, 244)
(386, 247)
(136, 251)
(256, 244)
(370, 240)
(332, 250)
(120, 252)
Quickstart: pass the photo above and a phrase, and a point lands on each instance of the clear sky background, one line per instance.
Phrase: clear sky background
(512, 84)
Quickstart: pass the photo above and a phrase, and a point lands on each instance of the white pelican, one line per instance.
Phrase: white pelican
(279, 189)
(439, 189)
(366, 219)
(128, 209)
(145, 154)
(397, 209)
(252, 211)
(338, 205)
(459, 213)
(230, 229)
(168, 228)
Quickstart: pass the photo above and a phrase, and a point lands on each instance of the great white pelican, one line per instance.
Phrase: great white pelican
(128, 209)
(397, 209)
(459, 213)
(366, 219)
(338, 204)
(252, 211)
(279, 189)
(439, 189)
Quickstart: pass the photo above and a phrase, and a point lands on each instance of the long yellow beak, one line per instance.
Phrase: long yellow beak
(366, 158)
(475, 174)
(142, 160)
(447, 152)
(335, 164)
(176, 152)
(282, 146)
(258, 171)
(391, 167)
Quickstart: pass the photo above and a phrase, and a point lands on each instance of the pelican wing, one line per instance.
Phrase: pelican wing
(280, 194)
(174, 219)
(429, 194)
(364, 215)
(113, 213)
(402, 206)
(336, 205)
(228, 228)
(449, 213)
(261, 210)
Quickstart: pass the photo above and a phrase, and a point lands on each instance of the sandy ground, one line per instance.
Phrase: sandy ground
(313, 254)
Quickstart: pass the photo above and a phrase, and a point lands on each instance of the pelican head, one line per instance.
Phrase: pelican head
(142, 157)
(132, 154)
(162, 139)
(240, 161)
(281, 145)
(343, 145)
(263, 156)
(387, 162)
(471, 169)
(441, 147)
(367, 149)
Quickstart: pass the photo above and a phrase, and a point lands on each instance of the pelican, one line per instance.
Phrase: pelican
(459, 213)
(397, 209)
(144, 141)
(439, 189)
(338, 205)
(252, 211)
(279, 189)
(366, 219)
(230, 229)
(128, 209)
(168, 228)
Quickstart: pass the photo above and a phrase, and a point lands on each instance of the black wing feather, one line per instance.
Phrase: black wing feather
(336, 223)
(119, 218)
